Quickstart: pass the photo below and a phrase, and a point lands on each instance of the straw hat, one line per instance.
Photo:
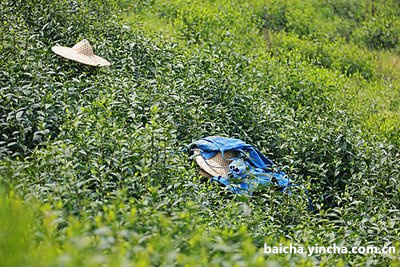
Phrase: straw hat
(215, 166)
(82, 52)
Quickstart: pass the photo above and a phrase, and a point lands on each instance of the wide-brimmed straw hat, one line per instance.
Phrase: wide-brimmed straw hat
(82, 52)
(215, 166)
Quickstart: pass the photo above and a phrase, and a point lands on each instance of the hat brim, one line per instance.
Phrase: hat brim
(215, 166)
(72, 54)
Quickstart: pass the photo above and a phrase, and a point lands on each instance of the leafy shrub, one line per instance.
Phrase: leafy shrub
(339, 56)
(98, 153)
(352, 10)
(380, 33)
(295, 17)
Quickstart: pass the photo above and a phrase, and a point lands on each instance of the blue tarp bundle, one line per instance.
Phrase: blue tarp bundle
(246, 172)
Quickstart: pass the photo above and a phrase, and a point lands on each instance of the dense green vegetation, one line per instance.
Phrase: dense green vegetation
(92, 161)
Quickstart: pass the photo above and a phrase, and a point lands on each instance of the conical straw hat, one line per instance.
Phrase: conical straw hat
(215, 166)
(82, 52)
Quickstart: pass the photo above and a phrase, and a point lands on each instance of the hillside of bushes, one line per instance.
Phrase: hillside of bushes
(94, 168)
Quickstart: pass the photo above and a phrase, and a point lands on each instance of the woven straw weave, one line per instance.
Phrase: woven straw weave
(82, 52)
(215, 166)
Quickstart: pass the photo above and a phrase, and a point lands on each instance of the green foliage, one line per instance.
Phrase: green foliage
(327, 34)
(380, 33)
(98, 153)
(339, 56)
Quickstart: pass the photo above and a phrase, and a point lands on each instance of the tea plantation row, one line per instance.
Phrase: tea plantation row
(93, 163)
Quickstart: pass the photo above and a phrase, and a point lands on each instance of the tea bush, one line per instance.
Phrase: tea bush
(380, 33)
(93, 161)
(333, 38)
(345, 58)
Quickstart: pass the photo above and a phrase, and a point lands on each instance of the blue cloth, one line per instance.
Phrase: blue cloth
(211, 145)
(246, 172)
